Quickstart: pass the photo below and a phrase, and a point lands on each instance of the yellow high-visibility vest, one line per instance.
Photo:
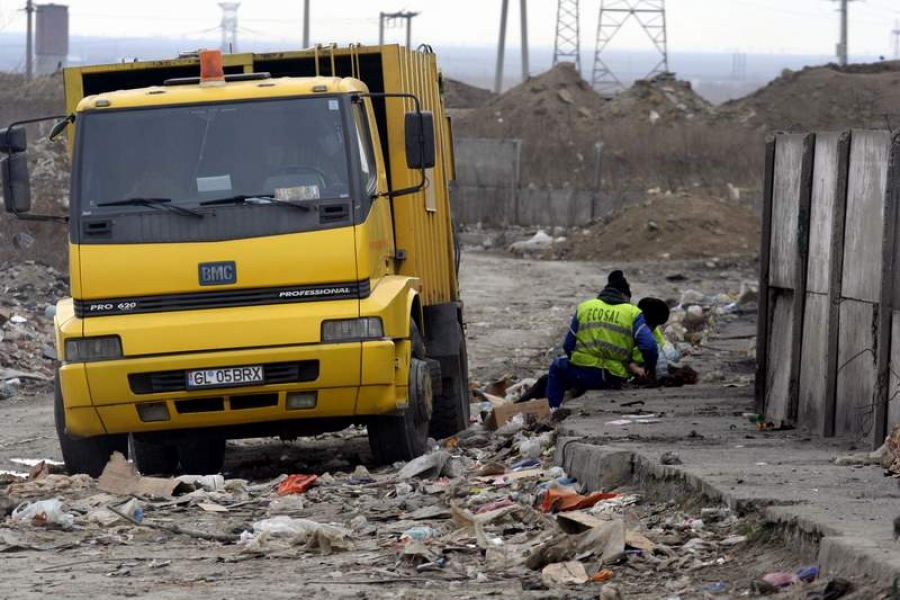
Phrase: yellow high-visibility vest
(605, 338)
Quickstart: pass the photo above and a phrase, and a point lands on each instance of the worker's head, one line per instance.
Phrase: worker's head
(618, 282)
(656, 311)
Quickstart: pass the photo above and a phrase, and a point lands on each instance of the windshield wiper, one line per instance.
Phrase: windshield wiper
(244, 198)
(157, 203)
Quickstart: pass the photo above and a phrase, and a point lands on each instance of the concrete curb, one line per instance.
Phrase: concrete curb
(605, 467)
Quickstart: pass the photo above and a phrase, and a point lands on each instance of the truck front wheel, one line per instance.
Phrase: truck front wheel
(202, 456)
(451, 403)
(151, 457)
(83, 455)
(404, 437)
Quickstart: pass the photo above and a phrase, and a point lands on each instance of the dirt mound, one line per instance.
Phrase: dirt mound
(462, 95)
(555, 114)
(822, 98)
(661, 100)
(555, 105)
(676, 227)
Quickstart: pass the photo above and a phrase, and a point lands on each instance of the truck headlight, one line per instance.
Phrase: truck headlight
(345, 330)
(93, 348)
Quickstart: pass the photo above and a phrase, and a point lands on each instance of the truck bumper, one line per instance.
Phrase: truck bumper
(349, 379)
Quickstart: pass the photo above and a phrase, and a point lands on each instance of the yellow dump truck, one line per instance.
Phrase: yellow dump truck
(259, 245)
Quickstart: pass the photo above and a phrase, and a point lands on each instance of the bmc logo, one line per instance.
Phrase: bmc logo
(218, 273)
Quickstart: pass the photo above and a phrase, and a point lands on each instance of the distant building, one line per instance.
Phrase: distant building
(51, 43)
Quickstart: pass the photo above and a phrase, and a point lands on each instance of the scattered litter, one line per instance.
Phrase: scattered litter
(325, 538)
(563, 574)
(540, 409)
(44, 512)
(561, 500)
(426, 466)
(296, 484)
(121, 478)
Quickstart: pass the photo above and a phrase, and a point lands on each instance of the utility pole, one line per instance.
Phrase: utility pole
(29, 39)
(567, 43)
(498, 72)
(523, 13)
(388, 19)
(650, 15)
(306, 23)
(842, 46)
(501, 45)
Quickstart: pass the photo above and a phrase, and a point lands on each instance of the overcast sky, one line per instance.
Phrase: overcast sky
(766, 26)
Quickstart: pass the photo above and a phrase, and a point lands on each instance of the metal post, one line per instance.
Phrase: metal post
(842, 50)
(409, 17)
(381, 29)
(498, 74)
(306, 23)
(523, 12)
(29, 40)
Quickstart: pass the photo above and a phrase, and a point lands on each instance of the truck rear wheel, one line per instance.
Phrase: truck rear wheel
(83, 455)
(202, 456)
(405, 437)
(151, 457)
(451, 405)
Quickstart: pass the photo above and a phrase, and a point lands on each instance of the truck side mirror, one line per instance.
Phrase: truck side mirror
(419, 140)
(16, 187)
(12, 139)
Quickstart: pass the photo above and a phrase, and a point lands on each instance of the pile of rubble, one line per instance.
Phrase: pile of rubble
(662, 100)
(822, 98)
(28, 293)
(484, 506)
(667, 226)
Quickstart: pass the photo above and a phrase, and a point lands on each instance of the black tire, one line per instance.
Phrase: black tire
(151, 457)
(83, 455)
(404, 437)
(202, 456)
(451, 406)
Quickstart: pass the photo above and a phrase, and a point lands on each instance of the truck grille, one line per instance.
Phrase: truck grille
(176, 381)
(222, 299)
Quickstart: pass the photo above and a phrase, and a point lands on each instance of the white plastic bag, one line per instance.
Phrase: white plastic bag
(44, 512)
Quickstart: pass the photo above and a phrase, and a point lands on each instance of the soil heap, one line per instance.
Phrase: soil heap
(462, 95)
(676, 227)
(822, 98)
(555, 114)
(660, 100)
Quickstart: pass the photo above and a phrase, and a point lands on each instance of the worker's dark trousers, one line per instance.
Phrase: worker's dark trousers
(565, 376)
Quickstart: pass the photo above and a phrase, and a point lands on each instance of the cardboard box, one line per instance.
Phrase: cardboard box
(503, 413)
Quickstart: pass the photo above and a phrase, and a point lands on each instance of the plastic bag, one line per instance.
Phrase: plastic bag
(44, 512)
(296, 484)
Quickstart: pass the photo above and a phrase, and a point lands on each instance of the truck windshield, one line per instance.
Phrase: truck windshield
(288, 149)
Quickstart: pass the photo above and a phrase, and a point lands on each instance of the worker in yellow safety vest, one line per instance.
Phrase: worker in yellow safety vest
(599, 344)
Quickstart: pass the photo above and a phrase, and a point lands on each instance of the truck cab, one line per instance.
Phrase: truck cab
(255, 254)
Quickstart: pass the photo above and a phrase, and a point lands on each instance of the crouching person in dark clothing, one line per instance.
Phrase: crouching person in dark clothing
(600, 342)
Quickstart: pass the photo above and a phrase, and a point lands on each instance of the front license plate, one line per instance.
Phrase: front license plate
(225, 377)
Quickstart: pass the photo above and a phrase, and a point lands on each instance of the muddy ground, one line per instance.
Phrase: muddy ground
(516, 311)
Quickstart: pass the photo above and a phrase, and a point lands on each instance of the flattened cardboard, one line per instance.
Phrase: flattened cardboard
(503, 413)
(121, 478)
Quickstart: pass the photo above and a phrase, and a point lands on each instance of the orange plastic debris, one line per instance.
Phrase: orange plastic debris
(602, 575)
(296, 484)
(564, 500)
